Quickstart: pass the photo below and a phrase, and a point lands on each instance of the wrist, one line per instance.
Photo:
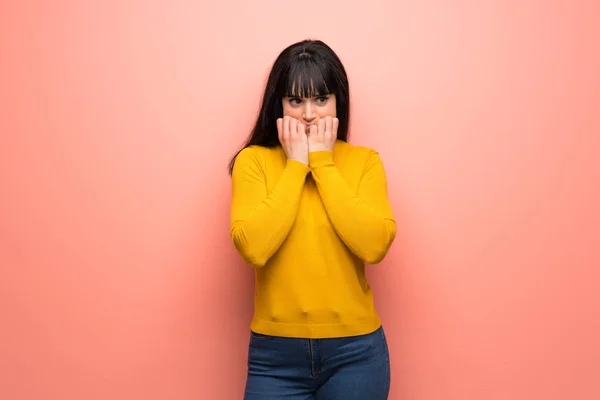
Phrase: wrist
(299, 160)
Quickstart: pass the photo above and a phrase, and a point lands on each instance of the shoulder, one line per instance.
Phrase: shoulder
(353, 149)
(256, 157)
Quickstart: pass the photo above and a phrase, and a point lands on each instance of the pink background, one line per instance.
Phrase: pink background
(117, 119)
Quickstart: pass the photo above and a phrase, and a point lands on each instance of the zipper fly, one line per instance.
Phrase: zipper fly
(312, 362)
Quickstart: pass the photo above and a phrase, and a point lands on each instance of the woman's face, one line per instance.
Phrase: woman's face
(309, 110)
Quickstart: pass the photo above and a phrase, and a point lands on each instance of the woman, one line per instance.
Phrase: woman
(308, 211)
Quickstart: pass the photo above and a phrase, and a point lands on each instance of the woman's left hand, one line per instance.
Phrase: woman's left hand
(323, 135)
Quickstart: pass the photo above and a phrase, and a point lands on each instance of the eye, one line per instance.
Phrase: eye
(295, 101)
(322, 99)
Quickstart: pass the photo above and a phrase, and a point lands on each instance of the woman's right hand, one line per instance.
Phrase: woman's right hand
(293, 139)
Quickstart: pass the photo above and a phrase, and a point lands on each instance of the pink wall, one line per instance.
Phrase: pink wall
(117, 118)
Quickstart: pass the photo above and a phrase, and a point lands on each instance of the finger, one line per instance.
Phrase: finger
(313, 132)
(321, 128)
(301, 129)
(293, 128)
(328, 126)
(280, 128)
(336, 124)
(286, 129)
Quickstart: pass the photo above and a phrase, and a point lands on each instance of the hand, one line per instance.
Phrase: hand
(322, 136)
(292, 136)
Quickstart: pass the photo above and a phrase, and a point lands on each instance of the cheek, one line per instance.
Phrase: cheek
(333, 106)
(291, 111)
(328, 111)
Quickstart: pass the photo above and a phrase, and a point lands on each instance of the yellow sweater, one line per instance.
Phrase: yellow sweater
(308, 231)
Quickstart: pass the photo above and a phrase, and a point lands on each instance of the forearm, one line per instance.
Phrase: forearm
(366, 226)
(259, 231)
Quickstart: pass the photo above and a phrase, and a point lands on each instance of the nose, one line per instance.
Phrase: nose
(309, 112)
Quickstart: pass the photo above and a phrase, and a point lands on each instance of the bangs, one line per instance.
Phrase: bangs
(307, 78)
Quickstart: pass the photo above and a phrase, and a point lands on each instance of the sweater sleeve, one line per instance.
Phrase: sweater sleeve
(261, 220)
(362, 219)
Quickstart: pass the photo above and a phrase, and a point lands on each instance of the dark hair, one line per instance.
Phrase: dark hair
(304, 69)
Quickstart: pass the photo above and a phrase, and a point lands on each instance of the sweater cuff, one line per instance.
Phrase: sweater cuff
(297, 167)
(320, 158)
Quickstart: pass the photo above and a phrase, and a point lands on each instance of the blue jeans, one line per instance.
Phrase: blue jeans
(350, 368)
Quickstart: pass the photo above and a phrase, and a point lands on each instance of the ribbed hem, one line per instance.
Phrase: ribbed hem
(320, 331)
